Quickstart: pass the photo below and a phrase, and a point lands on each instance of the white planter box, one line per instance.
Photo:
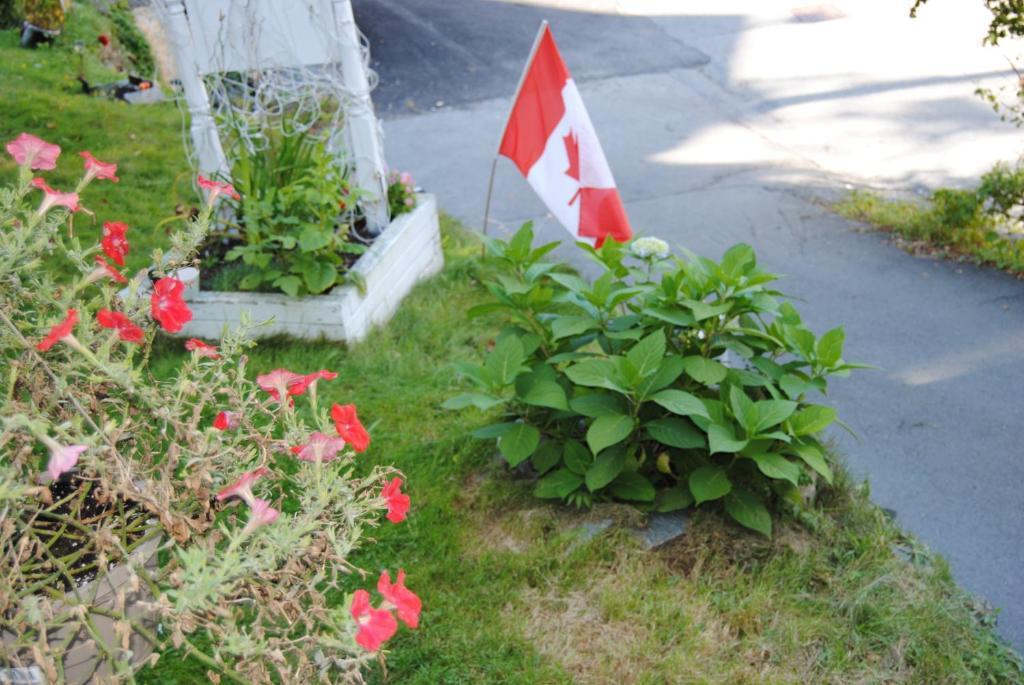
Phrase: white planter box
(408, 251)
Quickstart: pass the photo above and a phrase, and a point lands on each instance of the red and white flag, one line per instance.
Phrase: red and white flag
(551, 140)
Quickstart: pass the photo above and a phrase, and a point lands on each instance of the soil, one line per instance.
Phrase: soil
(93, 514)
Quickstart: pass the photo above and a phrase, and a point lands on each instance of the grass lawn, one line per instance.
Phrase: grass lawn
(512, 592)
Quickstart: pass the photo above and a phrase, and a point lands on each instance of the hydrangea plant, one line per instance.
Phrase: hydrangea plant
(222, 515)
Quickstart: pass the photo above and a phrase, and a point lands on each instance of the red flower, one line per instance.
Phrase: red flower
(167, 305)
(226, 420)
(310, 379)
(398, 502)
(217, 188)
(114, 241)
(126, 330)
(104, 39)
(243, 486)
(404, 601)
(105, 270)
(61, 331)
(376, 626)
(282, 383)
(346, 422)
(54, 198)
(202, 349)
(94, 168)
(320, 448)
(33, 152)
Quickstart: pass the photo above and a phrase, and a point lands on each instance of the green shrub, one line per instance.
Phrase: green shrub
(665, 383)
(11, 13)
(290, 231)
(1002, 188)
(131, 39)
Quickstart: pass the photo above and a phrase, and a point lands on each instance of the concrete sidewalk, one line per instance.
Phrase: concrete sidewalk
(728, 121)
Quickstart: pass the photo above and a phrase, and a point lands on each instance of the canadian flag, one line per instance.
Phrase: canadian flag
(550, 139)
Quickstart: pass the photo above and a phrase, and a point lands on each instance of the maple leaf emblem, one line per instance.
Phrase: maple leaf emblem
(572, 151)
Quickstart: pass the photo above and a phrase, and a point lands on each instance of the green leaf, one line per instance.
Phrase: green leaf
(474, 399)
(597, 404)
(722, 439)
(743, 408)
(703, 310)
(573, 283)
(680, 402)
(737, 260)
(673, 499)
(777, 466)
(567, 326)
(546, 457)
(794, 386)
(558, 484)
(595, 373)
(576, 456)
(606, 468)
(250, 281)
(812, 419)
(748, 510)
(319, 276)
(506, 359)
(544, 393)
(670, 369)
(675, 433)
(606, 431)
(829, 348)
(647, 354)
(709, 483)
(705, 371)
(289, 285)
(494, 430)
(518, 442)
(814, 458)
(631, 486)
(772, 413)
(314, 238)
(679, 317)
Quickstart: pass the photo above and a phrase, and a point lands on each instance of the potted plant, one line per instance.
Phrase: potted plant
(203, 509)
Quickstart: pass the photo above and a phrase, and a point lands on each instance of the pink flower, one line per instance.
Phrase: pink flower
(201, 349)
(54, 198)
(281, 383)
(401, 598)
(62, 458)
(406, 178)
(320, 448)
(59, 332)
(33, 152)
(168, 306)
(243, 486)
(260, 514)
(346, 422)
(105, 270)
(126, 330)
(398, 502)
(226, 420)
(94, 168)
(217, 188)
(376, 626)
(114, 241)
(310, 379)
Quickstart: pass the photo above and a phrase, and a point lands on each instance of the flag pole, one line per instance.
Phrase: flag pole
(515, 98)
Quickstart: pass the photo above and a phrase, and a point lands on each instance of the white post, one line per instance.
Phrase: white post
(361, 124)
(205, 140)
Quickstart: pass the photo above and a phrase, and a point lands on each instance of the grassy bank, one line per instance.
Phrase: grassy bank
(951, 225)
(514, 594)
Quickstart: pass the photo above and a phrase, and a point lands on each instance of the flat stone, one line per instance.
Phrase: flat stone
(591, 529)
(661, 529)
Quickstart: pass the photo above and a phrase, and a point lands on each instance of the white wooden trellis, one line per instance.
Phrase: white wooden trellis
(211, 36)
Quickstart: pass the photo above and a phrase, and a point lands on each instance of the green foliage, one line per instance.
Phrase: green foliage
(131, 39)
(290, 230)
(11, 13)
(691, 377)
(961, 223)
(401, 193)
